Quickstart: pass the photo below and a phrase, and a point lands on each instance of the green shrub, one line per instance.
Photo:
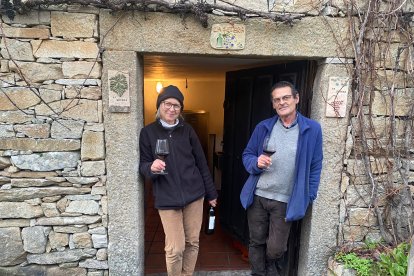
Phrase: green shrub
(362, 266)
(395, 262)
(371, 245)
(388, 263)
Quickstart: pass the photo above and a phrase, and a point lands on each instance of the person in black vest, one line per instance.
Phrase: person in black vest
(283, 181)
(179, 195)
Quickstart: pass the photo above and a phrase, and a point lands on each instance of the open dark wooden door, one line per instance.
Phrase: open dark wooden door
(247, 102)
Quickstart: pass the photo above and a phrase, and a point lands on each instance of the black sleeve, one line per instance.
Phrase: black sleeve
(145, 154)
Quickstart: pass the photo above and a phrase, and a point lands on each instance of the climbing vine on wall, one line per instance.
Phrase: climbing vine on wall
(381, 40)
(382, 112)
(199, 9)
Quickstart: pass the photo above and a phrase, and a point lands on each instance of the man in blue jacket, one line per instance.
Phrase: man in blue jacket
(281, 186)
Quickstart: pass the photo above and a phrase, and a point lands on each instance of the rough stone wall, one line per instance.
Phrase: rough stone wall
(391, 163)
(53, 203)
(358, 220)
(53, 188)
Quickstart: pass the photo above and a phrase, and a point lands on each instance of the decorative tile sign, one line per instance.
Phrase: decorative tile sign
(118, 83)
(337, 97)
(226, 36)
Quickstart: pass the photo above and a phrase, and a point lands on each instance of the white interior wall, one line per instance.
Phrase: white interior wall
(206, 94)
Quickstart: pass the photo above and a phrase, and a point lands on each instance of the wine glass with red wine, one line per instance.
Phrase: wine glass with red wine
(268, 149)
(162, 150)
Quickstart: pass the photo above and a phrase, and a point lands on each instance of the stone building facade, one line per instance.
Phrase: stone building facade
(53, 206)
(71, 199)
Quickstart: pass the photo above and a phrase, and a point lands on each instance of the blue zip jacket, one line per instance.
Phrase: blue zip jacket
(308, 165)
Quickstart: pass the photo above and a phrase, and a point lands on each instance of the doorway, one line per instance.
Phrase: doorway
(247, 102)
(222, 77)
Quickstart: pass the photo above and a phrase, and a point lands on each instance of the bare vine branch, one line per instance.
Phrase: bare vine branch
(371, 35)
(199, 9)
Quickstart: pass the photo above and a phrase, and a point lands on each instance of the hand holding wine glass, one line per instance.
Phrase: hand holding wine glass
(162, 151)
(268, 149)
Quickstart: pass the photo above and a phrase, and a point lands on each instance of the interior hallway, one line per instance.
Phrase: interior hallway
(218, 252)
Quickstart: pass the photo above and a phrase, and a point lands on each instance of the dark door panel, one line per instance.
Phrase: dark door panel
(261, 103)
(231, 208)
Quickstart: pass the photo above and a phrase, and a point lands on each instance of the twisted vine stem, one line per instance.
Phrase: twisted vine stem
(371, 33)
(199, 9)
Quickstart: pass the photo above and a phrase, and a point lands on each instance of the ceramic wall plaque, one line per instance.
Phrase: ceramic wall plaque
(337, 97)
(118, 83)
(226, 36)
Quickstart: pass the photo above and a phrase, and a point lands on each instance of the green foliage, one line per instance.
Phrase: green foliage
(371, 245)
(389, 263)
(362, 266)
(395, 262)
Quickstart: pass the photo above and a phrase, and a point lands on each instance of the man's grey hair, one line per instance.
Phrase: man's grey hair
(282, 84)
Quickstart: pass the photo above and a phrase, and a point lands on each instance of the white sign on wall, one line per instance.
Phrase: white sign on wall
(337, 97)
(118, 83)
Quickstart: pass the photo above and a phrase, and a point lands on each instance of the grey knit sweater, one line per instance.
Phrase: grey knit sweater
(277, 183)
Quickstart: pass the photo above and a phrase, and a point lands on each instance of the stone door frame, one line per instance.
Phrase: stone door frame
(125, 43)
(126, 188)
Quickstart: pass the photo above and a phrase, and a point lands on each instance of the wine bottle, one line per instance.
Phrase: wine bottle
(211, 221)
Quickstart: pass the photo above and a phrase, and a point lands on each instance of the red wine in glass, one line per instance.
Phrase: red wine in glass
(268, 149)
(269, 152)
(162, 151)
(162, 155)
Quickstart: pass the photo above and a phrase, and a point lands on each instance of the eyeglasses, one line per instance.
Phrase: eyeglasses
(284, 98)
(168, 105)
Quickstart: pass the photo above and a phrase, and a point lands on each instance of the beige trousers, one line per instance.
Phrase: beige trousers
(182, 232)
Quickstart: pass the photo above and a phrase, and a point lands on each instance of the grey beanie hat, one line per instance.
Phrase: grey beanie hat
(170, 91)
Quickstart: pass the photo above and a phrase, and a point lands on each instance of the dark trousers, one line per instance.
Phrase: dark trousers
(269, 233)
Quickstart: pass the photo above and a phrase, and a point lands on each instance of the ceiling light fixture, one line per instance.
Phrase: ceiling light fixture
(158, 87)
